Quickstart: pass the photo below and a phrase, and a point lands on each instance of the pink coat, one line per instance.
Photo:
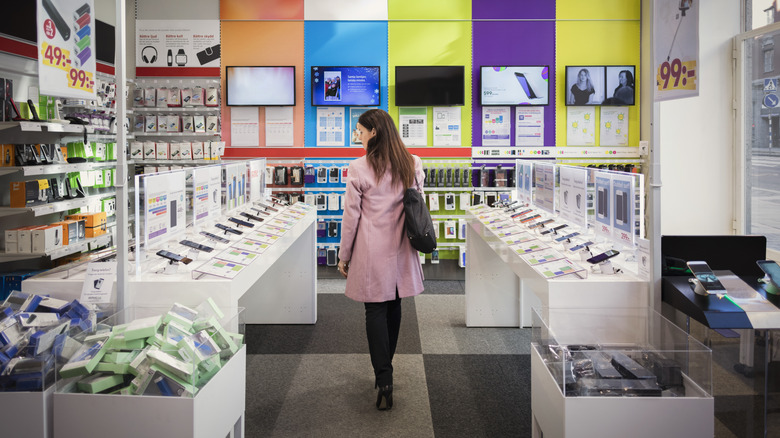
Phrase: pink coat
(373, 237)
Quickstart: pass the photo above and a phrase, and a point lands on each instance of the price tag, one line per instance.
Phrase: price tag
(54, 56)
(677, 75)
(81, 80)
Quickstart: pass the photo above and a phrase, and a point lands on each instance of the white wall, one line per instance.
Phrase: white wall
(697, 134)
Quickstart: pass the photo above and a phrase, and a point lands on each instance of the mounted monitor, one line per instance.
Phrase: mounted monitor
(515, 85)
(260, 86)
(345, 86)
(584, 85)
(620, 85)
(440, 85)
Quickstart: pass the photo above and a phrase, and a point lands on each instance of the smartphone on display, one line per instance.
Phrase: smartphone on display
(602, 203)
(550, 230)
(241, 223)
(214, 237)
(580, 246)
(259, 211)
(567, 237)
(539, 224)
(173, 257)
(332, 259)
(530, 218)
(251, 216)
(526, 87)
(606, 255)
(228, 229)
(195, 245)
(709, 281)
(621, 212)
(522, 213)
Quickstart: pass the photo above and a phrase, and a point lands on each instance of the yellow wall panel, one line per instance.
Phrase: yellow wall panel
(598, 9)
(429, 9)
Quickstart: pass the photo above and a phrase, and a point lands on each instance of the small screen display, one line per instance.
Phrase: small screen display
(527, 85)
(260, 86)
(345, 86)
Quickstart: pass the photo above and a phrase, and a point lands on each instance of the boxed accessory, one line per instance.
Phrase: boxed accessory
(174, 97)
(162, 97)
(212, 124)
(212, 96)
(187, 124)
(161, 149)
(173, 123)
(197, 96)
(151, 123)
(175, 151)
(150, 150)
(199, 123)
(185, 150)
(46, 239)
(94, 223)
(333, 201)
(70, 231)
(197, 150)
(28, 193)
(150, 96)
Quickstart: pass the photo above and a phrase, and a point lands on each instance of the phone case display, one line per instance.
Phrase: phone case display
(447, 187)
(325, 186)
(594, 355)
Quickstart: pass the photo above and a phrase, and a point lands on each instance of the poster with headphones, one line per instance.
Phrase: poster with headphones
(66, 48)
(177, 48)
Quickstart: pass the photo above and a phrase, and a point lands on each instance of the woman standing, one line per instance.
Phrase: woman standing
(582, 90)
(376, 258)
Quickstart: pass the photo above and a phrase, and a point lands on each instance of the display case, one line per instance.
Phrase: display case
(616, 373)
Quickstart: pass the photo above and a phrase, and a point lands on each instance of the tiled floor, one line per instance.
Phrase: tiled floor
(449, 381)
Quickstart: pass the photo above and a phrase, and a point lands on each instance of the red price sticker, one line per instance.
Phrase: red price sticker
(676, 75)
(80, 80)
(54, 56)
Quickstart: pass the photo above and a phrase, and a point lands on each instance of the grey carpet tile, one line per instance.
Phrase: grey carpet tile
(333, 396)
(743, 416)
(479, 395)
(442, 321)
(268, 379)
(340, 329)
(331, 286)
(444, 287)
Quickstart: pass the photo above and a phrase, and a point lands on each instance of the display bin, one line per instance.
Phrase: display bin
(617, 373)
(26, 410)
(216, 409)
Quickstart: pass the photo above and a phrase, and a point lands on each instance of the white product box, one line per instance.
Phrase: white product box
(25, 241)
(217, 149)
(199, 123)
(162, 150)
(136, 150)
(150, 96)
(212, 96)
(173, 123)
(185, 150)
(174, 96)
(151, 123)
(162, 123)
(47, 239)
(197, 150)
(150, 150)
(212, 124)
(174, 149)
(11, 241)
(162, 97)
(186, 96)
(187, 124)
(197, 96)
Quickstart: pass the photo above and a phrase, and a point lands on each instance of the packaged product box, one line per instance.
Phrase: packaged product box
(94, 223)
(174, 150)
(197, 150)
(186, 96)
(162, 123)
(197, 96)
(100, 152)
(8, 155)
(151, 123)
(70, 231)
(212, 96)
(25, 239)
(162, 97)
(187, 124)
(12, 241)
(46, 239)
(199, 123)
(174, 124)
(28, 193)
(136, 150)
(150, 150)
(212, 124)
(217, 149)
(150, 96)
(174, 97)
(185, 150)
(162, 150)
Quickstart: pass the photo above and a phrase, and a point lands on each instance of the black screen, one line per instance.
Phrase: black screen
(429, 85)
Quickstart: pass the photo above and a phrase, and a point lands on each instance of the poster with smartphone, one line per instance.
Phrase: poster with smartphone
(623, 209)
(601, 204)
(255, 180)
(164, 207)
(207, 194)
(573, 195)
(66, 48)
(544, 195)
(525, 171)
(235, 186)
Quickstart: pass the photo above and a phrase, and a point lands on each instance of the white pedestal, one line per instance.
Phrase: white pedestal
(217, 410)
(27, 414)
(556, 416)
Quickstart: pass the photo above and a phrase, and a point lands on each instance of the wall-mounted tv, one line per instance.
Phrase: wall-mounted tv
(620, 85)
(585, 85)
(440, 85)
(515, 85)
(345, 86)
(260, 85)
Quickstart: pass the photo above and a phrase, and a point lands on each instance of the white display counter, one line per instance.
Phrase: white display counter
(502, 288)
(27, 414)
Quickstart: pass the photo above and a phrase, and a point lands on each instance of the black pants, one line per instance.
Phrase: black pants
(383, 321)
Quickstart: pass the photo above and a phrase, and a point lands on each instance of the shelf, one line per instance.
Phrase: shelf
(91, 108)
(448, 189)
(436, 215)
(41, 132)
(53, 207)
(85, 245)
(493, 189)
(174, 162)
(175, 109)
(51, 169)
(177, 134)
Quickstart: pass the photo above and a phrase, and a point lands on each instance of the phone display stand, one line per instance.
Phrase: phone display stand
(697, 287)
(171, 268)
(605, 268)
(770, 286)
(585, 254)
(193, 253)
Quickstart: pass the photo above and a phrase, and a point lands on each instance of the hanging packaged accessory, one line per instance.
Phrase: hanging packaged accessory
(418, 222)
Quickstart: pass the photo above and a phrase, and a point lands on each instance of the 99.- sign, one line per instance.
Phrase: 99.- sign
(80, 80)
(676, 75)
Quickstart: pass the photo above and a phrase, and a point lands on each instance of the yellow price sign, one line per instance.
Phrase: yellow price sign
(54, 56)
(676, 75)
(81, 80)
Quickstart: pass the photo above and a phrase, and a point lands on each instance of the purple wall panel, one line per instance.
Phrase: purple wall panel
(513, 43)
(513, 9)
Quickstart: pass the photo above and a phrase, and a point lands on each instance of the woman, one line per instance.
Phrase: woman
(624, 93)
(376, 258)
(582, 90)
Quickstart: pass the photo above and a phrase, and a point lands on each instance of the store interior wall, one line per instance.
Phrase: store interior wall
(697, 170)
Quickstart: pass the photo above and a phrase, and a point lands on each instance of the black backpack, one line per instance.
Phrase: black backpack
(419, 225)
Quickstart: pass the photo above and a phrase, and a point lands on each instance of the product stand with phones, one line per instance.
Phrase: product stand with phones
(502, 287)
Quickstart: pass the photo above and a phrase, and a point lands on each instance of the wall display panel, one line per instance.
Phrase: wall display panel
(488, 49)
(343, 43)
(282, 44)
(260, 85)
(175, 10)
(345, 10)
(512, 9)
(432, 43)
(345, 86)
(261, 10)
(598, 10)
(429, 9)
(598, 43)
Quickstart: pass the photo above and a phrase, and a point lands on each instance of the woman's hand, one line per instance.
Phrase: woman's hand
(343, 268)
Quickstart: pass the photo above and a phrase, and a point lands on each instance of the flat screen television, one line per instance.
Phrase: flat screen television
(345, 86)
(620, 85)
(440, 85)
(515, 85)
(260, 85)
(585, 85)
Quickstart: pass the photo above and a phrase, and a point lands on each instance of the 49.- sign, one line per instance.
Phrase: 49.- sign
(676, 75)
(57, 57)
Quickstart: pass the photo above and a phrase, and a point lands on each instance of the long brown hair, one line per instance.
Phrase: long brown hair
(386, 148)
